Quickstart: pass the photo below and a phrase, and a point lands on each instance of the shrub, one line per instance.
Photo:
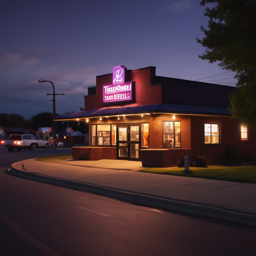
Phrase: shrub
(199, 161)
(245, 156)
(223, 161)
(181, 162)
(85, 157)
(233, 155)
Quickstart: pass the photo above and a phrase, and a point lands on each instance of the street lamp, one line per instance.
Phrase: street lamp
(54, 110)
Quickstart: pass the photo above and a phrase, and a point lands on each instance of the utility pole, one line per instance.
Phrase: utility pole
(54, 110)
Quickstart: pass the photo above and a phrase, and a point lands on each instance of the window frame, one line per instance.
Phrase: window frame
(241, 132)
(219, 127)
(141, 134)
(174, 135)
(96, 135)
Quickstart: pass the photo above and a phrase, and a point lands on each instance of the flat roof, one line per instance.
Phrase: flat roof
(157, 109)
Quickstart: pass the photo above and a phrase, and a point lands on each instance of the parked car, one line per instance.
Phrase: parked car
(60, 144)
(20, 141)
(3, 138)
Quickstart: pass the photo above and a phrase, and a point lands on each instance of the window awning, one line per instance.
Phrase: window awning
(157, 109)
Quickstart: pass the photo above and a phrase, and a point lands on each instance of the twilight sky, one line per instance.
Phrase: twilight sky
(70, 42)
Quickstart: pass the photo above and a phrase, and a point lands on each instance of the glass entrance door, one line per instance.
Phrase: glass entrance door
(128, 144)
(122, 142)
(134, 141)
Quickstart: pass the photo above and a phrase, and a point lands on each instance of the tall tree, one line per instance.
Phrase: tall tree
(15, 120)
(11, 120)
(43, 119)
(4, 120)
(231, 40)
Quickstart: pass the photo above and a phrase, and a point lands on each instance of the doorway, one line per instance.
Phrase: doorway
(128, 141)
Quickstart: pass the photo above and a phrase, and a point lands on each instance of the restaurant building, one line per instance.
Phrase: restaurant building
(136, 115)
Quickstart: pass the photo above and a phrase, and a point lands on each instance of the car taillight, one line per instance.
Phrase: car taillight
(17, 142)
(2, 142)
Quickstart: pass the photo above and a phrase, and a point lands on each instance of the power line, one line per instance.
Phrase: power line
(213, 75)
(220, 79)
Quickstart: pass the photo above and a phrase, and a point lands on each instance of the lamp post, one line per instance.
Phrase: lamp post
(54, 110)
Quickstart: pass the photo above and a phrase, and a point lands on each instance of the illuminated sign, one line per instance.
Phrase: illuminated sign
(118, 74)
(44, 129)
(119, 90)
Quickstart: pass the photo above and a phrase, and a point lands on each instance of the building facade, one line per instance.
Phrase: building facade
(136, 115)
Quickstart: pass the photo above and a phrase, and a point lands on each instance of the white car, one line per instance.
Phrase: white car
(20, 141)
(60, 144)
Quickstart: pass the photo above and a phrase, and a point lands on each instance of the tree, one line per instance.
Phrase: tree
(15, 120)
(43, 119)
(11, 120)
(4, 119)
(231, 40)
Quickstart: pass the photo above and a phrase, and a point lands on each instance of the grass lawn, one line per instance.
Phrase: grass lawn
(245, 173)
(54, 158)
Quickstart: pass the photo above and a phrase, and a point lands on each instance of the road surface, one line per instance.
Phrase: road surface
(41, 219)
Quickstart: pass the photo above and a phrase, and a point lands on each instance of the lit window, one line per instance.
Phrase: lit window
(244, 132)
(100, 135)
(171, 134)
(211, 134)
(103, 135)
(113, 134)
(93, 135)
(144, 135)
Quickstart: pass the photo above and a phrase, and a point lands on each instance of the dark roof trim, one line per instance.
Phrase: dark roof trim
(161, 108)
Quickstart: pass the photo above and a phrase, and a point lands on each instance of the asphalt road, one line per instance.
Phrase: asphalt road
(40, 219)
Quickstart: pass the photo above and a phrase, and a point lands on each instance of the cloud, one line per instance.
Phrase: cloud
(12, 58)
(68, 81)
(177, 5)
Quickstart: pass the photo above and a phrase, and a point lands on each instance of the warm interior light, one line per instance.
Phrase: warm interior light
(65, 137)
(173, 117)
(118, 118)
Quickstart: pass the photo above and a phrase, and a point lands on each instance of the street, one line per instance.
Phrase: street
(41, 219)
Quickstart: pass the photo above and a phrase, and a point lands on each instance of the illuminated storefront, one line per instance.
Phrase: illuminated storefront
(136, 115)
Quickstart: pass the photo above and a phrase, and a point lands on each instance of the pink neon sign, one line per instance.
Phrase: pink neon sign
(117, 92)
(118, 74)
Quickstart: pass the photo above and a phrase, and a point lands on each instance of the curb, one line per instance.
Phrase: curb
(145, 200)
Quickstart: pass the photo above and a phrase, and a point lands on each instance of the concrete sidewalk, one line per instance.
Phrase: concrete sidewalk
(229, 201)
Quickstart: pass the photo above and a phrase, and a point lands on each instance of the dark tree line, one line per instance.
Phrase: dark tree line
(43, 119)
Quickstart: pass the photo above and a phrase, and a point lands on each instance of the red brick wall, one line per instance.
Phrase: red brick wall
(145, 94)
(156, 130)
(230, 135)
(94, 153)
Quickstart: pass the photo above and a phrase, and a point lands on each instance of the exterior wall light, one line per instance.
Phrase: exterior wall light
(77, 119)
(142, 115)
(173, 117)
(65, 137)
(118, 118)
(100, 118)
(87, 120)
